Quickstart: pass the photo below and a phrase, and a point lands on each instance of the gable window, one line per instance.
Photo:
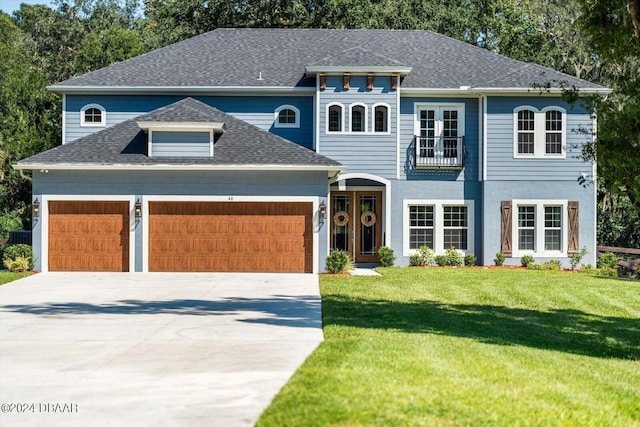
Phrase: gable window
(358, 118)
(287, 116)
(380, 118)
(539, 133)
(93, 115)
(334, 119)
(438, 224)
(540, 227)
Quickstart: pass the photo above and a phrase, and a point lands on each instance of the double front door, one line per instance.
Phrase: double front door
(356, 223)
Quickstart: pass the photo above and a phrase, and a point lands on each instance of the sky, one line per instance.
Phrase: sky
(9, 6)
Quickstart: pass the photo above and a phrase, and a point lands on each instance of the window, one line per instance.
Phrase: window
(420, 226)
(539, 227)
(287, 116)
(381, 118)
(438, 224)
(439, 131)
(539, 133)
(358, 118)
(93, 115)
(455, 227)
(334, 122)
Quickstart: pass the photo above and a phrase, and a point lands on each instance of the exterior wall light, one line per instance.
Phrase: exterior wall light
(138, 208)
(322, 210)
(35, 208)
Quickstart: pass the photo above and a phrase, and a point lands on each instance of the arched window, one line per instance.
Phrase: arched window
(358, 118)
(93, 115)
(334, 120)
(380, 118)
(526, 132)
(287, 116)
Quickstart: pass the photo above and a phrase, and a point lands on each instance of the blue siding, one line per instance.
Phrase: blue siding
(501, 164)
(257, 110)
(366, 152)
(407, 131)
(180, 144)
(179, 183)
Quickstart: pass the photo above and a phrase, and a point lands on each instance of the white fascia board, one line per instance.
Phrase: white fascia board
(186, 90)
(190, 167)
(358, 69)
(183, 126)
(476, 91)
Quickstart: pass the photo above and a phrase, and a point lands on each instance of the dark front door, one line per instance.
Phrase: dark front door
(356, 223)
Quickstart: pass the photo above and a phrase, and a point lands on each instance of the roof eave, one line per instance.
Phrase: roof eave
(476, 91)
(169, 166)
(364, 69)
(185, 90)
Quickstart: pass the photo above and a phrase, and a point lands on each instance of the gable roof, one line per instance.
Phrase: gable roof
(231, 57)
(124, 146)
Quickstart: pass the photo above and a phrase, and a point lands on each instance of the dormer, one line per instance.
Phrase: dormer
(181, 139)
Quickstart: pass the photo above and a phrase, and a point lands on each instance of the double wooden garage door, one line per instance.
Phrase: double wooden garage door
(184, 236)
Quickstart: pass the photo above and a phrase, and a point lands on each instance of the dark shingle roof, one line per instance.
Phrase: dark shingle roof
(357, 56)
(126, 144)
(235, 57)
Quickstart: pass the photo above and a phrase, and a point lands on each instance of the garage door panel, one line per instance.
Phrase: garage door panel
(223, 236)
(88, 236)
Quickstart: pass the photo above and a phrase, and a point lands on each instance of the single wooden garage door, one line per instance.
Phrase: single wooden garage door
(234, 236)
(88, 236)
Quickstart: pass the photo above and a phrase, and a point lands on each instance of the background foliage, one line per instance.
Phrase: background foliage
(598, 40)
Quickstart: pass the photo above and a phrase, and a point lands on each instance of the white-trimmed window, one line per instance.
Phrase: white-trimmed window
(540, 227)
(539, 133)
(335, 117)
(358, 118)
(287, 116)
(93, 115)
(438, 224)
(381, 118)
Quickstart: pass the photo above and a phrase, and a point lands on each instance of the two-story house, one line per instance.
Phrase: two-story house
(264, 149)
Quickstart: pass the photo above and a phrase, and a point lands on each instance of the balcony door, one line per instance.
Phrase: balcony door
(440, 129)
(356, 223)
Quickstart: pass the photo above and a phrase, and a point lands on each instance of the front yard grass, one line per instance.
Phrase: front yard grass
(6, 276)
(470, 347)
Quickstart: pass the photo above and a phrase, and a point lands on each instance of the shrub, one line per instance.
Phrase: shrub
(587, 268)
(453, 257)
(14, 252)
(415, 260)
(526, 260)
(577, 256)
(607, 272)
(499, 259)
(441, 260)
(470, 259)
(386, 256)
(553, 264)
(427, 256)
(17, 265)
(339, 262)
(608, 260)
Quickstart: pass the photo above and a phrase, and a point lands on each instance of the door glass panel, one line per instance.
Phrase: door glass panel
(450, 133)
(427, 133)
(340, 221)
(368, 224)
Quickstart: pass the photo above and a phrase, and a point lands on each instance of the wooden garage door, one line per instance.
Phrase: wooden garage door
(238, 236)
(88, 236)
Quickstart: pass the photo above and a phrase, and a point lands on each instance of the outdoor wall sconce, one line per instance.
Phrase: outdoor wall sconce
(35, 208)
(322, 210)
(138, 208)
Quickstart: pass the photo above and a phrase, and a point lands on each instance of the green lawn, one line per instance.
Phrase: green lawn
(470, 347)
(6, 277)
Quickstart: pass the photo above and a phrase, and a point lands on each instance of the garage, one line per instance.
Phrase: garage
(231, 236)
(88, 236)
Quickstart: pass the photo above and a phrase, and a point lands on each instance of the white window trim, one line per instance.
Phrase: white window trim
(438, 225)
(365, 119)
(276, 116)
(459, 106)
(103, 116)
(342, 121)
(539, 231)
(539, 135)
(373, 118)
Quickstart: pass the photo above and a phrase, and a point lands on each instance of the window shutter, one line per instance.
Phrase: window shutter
(506, 230)
(574, 240)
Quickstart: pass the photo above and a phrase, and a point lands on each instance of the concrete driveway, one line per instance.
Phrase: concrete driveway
(151, 349)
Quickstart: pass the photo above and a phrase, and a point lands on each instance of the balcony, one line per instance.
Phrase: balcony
(443, 152)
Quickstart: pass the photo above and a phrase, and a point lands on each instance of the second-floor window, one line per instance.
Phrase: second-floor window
(93, 115)
(439, 135)
(358, 118)
(380, 118)
(539, 133)
(334, 119)
(287, 116)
